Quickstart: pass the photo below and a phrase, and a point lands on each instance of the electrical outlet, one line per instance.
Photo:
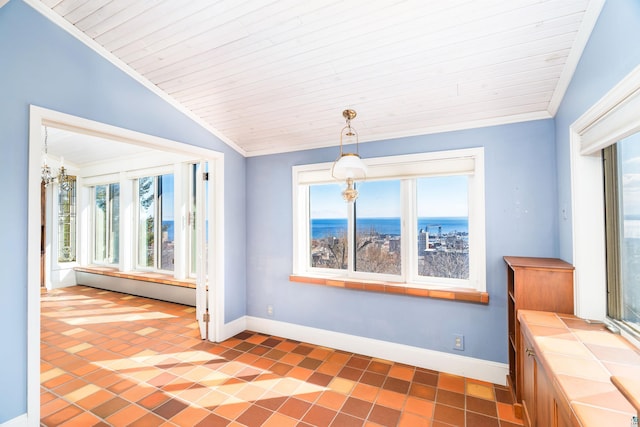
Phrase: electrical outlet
(269, 310)
(458, 342)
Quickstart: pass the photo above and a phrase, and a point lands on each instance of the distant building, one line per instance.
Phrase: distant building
(423, 238)
(394, 244)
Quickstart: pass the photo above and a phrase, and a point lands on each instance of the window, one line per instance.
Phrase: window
(443, 224)
(155, 222)
(67, 222)
(106, 221)
(611, 119)
(622, 229)
(418, 220)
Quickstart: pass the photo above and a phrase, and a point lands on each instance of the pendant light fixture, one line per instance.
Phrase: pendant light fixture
(46, 173)
(349, 167)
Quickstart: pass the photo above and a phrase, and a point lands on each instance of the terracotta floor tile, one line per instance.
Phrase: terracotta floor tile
(365, 392)
(450, 398)
(332, 400)
(153, 400)
(451, 383)
(482, 406)
(254, 416)
(126, 415)
(189, 417)
(356, 407)
(295, 408)
(506, 413)
(422, 391)
(402, 372)
(408, 419)
(82, 393)
(319, 416)
(481, 390)
(421, 407)
(280, 420)
(391, 399)
(62, 415)
(346, 420)
(231, 410)
(148, 420)
(170, 408)
(272, 401)
(449, 414)
(342, 385)
(379, 367)
(109, 407)
(384, 416)
(479, 420)
(84, 419)
(329, 368)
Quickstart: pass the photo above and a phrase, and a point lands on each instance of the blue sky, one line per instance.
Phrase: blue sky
(437, 197)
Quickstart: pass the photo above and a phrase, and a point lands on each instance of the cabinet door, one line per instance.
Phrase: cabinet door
(561, 418)
(529, 368)
(545, 403)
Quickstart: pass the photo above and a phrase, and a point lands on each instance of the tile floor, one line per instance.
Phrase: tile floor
(112, 359)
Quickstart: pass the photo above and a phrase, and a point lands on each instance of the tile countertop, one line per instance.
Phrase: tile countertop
(582, 357)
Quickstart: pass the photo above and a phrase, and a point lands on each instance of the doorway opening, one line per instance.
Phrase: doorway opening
(86, 156)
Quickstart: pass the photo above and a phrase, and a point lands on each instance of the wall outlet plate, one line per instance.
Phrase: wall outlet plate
(269, 310)
(458, 342)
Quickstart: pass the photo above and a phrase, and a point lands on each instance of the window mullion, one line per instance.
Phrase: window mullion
(351, 238)
(408, 234)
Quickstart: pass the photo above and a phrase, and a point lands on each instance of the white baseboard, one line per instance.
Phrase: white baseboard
(232, 328)
(19, 421)
(469, 367)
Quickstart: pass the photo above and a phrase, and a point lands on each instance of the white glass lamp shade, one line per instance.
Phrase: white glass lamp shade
(349, 166)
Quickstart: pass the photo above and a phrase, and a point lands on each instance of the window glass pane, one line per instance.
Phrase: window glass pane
(629, 216)
(165, 191)
(146, 221)
(377, 217)
(114, 223)
(100, 224)
(443, 225)
(192, 213)
(67, 222)
(328, 225)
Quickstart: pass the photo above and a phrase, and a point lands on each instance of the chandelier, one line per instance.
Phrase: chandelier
(46, 172)
(349, 167)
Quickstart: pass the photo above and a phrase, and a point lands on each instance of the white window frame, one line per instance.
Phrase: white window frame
(154, 173)
(405, 168)
(92, 252)
(614, 117)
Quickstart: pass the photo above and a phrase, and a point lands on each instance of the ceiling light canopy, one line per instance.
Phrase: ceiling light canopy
(349, 167)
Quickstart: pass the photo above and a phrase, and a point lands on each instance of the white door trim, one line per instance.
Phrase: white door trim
(40, 116)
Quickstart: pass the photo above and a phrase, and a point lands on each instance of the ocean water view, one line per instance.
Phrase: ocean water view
(324, 227)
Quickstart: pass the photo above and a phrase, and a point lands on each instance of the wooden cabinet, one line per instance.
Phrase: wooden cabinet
(544, 284)
(540, 408)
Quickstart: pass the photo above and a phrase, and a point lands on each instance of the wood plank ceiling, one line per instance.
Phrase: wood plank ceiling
(274, 75)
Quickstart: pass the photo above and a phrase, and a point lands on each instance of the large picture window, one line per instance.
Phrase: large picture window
(418, 220)
(155, 222)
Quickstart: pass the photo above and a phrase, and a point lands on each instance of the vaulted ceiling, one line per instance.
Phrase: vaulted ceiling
(272, 76)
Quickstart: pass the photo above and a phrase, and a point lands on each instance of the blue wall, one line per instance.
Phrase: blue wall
(43, 65)
(613, 52)
(520, 186)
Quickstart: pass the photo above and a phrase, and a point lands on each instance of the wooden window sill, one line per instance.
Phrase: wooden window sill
(451, 294)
